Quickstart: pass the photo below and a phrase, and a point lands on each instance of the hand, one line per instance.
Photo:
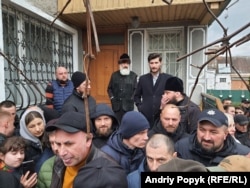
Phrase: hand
(28, 182)
(164, 101)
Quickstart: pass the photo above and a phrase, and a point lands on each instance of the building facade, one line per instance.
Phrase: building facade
(33, 47)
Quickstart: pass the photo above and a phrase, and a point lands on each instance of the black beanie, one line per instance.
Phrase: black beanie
(77, 78)
(174, 84)
(124, 58)
(132, 123)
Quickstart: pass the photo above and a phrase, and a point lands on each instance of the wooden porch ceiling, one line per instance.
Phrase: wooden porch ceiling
(120, 13)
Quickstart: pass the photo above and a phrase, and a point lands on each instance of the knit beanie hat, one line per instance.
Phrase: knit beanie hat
(77, 78)
(174, 84)
(132, 123)
(124, 58)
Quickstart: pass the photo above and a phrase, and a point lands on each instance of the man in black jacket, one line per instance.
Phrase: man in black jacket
(242, 129)
(211, 143)
(174, 94)
(104, 124)
(150, 89)
(169, 123)
(122, 87)
(78, 161)
(76, 101)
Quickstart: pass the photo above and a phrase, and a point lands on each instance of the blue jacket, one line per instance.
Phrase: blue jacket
(129, 159)
(134, 178)
(61, 93)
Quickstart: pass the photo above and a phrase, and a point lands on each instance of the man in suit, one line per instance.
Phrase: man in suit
(150, 89)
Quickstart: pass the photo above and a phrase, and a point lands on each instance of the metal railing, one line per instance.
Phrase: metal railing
(210, 101)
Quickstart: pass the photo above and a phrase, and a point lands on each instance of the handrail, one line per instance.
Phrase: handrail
(205, 103)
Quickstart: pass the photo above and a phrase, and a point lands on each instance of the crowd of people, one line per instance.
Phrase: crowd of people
(73, 141)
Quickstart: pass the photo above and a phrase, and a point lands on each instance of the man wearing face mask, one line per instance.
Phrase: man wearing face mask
(122, 86)
(57, 91)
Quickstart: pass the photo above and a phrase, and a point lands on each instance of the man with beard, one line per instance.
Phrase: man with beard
(211, 143)
(150, 89)
(76, 101)
(174, 94)
(121, 87)
(58, 90)
(105, 123)
(169, 123)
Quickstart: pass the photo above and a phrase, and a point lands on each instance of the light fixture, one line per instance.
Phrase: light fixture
(169, 2)
(135, 22)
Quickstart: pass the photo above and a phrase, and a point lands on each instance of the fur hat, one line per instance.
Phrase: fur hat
(132, 123)
(77, 78)
(174, 84)
(124, 58)
(232, 163)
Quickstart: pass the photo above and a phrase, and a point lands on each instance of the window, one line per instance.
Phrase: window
(223, 80)
(34, 50)
(169, 44)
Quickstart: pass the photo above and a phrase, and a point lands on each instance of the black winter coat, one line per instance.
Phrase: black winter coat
(75, 103)
(189, 114)
(188, 148)
(148, 96)
(177, 135)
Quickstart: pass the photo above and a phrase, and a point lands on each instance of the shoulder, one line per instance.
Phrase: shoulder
(109, 173)
(242, 149)
(166, 75)
(133, 73)
(145, 76)
(183, 141)
(48, 164)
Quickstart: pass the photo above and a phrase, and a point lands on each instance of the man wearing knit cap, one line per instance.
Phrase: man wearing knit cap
(211, 143)
(150, 88)
(121, 87)
(174, 94)
(126, 145)
(75, 102)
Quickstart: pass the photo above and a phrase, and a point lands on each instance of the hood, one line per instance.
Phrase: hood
(24, 132)
(104, 109)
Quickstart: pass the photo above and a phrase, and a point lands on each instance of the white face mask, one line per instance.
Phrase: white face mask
(124, 71)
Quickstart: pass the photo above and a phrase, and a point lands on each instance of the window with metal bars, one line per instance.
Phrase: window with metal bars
(34, 50)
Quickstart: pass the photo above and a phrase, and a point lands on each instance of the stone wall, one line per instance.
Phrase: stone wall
(48, 6)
